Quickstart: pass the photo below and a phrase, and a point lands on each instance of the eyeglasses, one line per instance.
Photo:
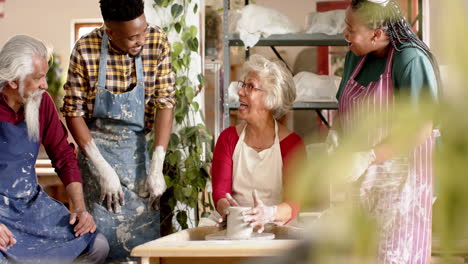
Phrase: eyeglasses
(247, 86)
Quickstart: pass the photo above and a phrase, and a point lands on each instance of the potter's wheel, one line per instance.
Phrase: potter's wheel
(221, 235)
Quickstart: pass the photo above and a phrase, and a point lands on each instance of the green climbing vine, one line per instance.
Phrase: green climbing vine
(189, 151)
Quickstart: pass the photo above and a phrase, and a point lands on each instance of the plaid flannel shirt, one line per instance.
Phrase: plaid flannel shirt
(81, 85)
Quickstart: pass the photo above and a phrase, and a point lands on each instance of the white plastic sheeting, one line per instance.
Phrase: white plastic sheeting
(310, 87)
(314, 87)
(330, 23)
(258, 21)
(232, 91)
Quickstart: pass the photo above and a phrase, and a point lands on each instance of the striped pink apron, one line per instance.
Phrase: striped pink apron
(397, 192)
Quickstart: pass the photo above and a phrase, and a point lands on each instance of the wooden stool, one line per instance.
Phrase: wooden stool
(50, 182)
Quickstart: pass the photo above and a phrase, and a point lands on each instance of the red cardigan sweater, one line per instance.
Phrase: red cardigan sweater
(222, 163)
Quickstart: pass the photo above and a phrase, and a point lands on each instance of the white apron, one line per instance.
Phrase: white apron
(262, 171)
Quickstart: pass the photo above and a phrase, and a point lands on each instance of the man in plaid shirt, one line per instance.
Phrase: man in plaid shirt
(119, 76)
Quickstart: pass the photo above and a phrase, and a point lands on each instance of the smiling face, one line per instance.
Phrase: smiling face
(361, 39)
(128, 36)
(252, 104)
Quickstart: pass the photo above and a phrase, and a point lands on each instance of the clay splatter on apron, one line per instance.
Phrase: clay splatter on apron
(39, 223)
(117, 128)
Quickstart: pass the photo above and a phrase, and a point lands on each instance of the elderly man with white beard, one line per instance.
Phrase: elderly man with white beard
(34, 228)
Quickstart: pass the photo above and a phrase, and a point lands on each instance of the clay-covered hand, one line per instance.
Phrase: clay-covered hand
(6, 238)
(111, 190)
(223, 208)
(84, 222)
(260, 214)
(155, 183)
(331, 141)
(360, 161)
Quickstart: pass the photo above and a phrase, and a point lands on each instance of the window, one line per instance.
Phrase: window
(84, 28)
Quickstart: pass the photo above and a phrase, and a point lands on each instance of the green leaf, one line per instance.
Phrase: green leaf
(193, 201)
(178, 193)
(205, 214)
(193, 44)
(171, 159)
(186, 36)
(201, 79)
(182, 62)
(182, 219)
(168, 180)
(158, 2)
(176, 10)
(185, 111)
(174, 140)
(181, 80)
(187, 60)
(200, 182)
(190, 94)
(165, 3)
(195, 106)
(188, 131)
(182, 21)
(181, 103)
(204, 173)
(178, 27)
(176, 66)
(188, 163)
(193, 31)
(172, 203)
(177, 48)
(195, 8)
(189, 177)
(187, 191)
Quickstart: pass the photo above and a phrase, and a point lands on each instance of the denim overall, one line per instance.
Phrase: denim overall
(117, 128)
(38, 222)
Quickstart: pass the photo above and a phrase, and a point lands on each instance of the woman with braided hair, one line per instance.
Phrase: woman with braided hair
(387, 62)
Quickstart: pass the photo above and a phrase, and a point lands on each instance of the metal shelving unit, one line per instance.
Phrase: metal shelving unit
(301, 39)
(325, 105)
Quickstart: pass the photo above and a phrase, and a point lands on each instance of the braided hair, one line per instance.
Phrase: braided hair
(390, 19)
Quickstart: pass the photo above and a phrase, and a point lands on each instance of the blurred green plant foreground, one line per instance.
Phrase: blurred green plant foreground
(347, 234)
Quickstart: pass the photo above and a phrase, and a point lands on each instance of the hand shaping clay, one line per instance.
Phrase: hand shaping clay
(236, 228)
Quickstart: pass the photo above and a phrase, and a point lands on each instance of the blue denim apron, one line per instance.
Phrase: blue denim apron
(117, 128)
(38, 222)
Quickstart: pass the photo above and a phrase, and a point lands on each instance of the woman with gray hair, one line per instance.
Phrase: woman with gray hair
(251, 160)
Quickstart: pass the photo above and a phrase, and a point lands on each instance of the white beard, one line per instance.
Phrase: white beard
(31, 112)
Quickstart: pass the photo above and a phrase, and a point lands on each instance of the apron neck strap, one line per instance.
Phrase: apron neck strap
(103, 64)
(242, 135)
(388, 64)
(103, 61)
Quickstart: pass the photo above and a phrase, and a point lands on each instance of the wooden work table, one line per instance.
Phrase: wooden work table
(50, 182)
(190, 246)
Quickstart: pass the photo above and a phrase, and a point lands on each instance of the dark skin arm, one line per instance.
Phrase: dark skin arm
(80, 216)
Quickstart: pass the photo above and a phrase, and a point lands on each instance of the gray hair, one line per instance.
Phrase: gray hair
(277, 81)
(16, 58)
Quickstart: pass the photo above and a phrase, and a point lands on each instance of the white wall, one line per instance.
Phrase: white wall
(48, 20)
(435, 17)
